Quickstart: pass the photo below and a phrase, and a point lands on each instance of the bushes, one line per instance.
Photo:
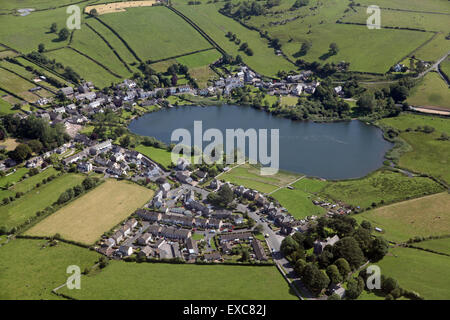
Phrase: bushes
(71, 193)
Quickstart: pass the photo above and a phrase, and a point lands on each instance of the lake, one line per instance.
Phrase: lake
(339, 150)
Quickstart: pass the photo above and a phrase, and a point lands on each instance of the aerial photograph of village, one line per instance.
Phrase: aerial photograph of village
(225, 150)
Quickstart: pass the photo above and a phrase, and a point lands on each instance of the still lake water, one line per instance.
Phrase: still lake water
(339, 150)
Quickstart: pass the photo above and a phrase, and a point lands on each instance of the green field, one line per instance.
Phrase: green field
(424, 217)
(445, 67)
(36, 4)
(161, 156)
(432, 50)
(122, 280)
(416, 5)
(199, 59)
(390, 18)
(412, 121)
(33, 29)
(216, 25)
(95, 212)
(416, 270)
(113, 40)
(5, 107)
(428, 155)
(381, 185)
(249, 176)
(148, 31)
(29, 271)
(365, 49)
(89, 70)
(88, 42)
(18, 211)
(298, 202)
(45, 72)
(438, 245)
(30, 76)
(29, 183)
(17, 85)
(14, 177)
(431, 91)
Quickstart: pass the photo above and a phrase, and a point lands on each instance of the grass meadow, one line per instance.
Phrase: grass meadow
(420, 271)
(30, 269)
(20, 210)
(113, 40)
(365, 49)
(430, 91)
(94, 213)
(139, 26)
(17, 85)
(137, 281)
(200, 59)
(428, 155)
(423, 217)
(438, 245)
(249, 176)
(445, 67)
(216, 25)
(382, 185)
(298, 202)
(87, 69)
(161, 156)
(88, 42)
(33, 29)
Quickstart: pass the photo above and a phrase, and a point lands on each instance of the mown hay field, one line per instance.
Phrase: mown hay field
(88, 217)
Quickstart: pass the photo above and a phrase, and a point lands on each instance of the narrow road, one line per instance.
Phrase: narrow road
(274, 242)
(286, 185)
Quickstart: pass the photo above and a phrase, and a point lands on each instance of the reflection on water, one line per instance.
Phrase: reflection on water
(338, 150)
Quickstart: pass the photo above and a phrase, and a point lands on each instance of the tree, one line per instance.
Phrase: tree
(399, 93)
(349, 249)
(125, 141)
(63, 34)
(259, 228)
(245, 255)
(21, 153)
(366, 102)
(77, 190)
(366, 225)
(364, 239)
(35, 145)
(300, 266)
(354, 288)
(388, 284)
(305, 48)
(174, 80)
(300, 3)
(53, 27)
(93, 12)
(89, 183)
(64, 197)
(334, 274)
(325, 258)
(334, 49)
(378, 249)
(334, 296)
(343, 266)
(41, 47)
(103, 262)
(314, 279)
(289, 245)
(223, 197)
